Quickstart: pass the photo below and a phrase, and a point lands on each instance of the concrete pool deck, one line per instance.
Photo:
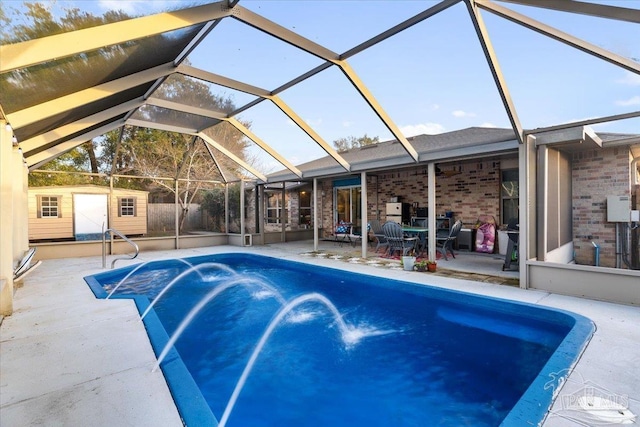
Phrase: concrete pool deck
(67, 358)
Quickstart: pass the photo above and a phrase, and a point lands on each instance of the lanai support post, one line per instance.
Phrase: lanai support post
(364, 214)
(431, 198)
(316, 233)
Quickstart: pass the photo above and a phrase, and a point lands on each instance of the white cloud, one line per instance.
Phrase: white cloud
(634, 100)
(630, 79)
(347, 124)
(421, 129)
(434, 107)
(460, 113)
(488, 125)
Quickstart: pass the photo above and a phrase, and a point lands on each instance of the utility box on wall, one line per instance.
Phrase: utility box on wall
(618, 208)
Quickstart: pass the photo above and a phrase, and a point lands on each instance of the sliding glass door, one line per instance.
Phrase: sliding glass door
(348, 205)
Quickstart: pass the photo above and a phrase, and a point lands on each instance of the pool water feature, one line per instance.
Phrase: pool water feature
(441, 357)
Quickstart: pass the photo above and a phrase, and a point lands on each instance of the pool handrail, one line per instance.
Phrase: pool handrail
(104, 247)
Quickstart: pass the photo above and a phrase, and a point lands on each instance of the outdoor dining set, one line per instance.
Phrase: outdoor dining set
(393, 238)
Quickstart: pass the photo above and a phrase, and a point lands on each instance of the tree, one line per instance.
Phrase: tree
(350, 142)
(144, 152)
(213, 203)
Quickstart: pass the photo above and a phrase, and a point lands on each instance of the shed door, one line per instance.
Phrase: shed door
(89, 215)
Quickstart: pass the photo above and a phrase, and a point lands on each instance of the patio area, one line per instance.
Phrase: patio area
(67, 357)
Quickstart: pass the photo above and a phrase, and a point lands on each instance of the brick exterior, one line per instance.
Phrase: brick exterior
(474, 191)
(596, 175)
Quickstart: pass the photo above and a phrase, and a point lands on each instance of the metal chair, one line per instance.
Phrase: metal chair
(381, 239)
(444, 243)
(397, 240)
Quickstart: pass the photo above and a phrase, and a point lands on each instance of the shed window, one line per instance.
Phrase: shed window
(127, 206)
(49, 207)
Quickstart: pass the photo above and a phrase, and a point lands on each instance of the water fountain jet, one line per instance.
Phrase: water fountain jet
(139, 266)
(350, 336)
(238, 281)
(197, 269)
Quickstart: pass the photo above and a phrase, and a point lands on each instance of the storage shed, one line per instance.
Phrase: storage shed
(79, 212)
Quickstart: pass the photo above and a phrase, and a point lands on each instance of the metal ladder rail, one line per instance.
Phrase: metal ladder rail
(104, 246)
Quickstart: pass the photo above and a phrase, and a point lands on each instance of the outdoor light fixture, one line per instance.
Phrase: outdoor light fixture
(8, 127)
(14, 141)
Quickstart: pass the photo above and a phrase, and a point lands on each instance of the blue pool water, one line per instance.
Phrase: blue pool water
(432, 356)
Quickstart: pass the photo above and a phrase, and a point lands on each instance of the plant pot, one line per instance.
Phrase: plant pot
(432, 267)
(408, 262)
(421, 268)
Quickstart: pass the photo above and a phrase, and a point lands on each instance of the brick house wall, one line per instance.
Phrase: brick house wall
(473, 191)
(597, 174)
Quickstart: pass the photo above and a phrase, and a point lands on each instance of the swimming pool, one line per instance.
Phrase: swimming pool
(421, 355)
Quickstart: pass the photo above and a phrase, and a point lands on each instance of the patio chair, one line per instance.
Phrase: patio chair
(444, 243)
(344, 233)
(381, 239)
(397, 240)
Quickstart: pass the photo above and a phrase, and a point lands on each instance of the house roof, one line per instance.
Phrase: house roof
(465, 143)
(390, 154)
(62, 90)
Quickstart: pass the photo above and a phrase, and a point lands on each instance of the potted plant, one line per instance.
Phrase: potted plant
(421, 265)
(431, 266)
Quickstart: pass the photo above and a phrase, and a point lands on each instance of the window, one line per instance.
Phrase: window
(305, 207)
(49, 207)
(509, 193)
(126, 206)
(275, 212)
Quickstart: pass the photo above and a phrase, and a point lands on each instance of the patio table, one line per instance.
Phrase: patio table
(421, 233)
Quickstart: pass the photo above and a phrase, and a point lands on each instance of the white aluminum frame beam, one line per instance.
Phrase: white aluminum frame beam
(184, 108)
(560, 36)
(309, 131)
(78, 99)
(269, 27)
(494, 66)
(207, 139)
(78, 126)
(273, 153)
(434, 10)
(592, 9)
(207, 76)
(265, 94)
(377, 108)
(37, 160)
(32, 52)
(315, 49)
(161, 126)
(215, 161)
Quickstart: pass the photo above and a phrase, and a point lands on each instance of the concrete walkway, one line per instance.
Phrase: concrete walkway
(68, 359)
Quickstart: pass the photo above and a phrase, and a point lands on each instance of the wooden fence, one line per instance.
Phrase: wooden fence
(161, 217)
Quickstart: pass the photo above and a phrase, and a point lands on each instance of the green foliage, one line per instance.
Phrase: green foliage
(213, 203)
(350, 142)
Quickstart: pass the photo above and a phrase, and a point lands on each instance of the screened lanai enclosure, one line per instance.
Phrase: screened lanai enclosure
(235, 120)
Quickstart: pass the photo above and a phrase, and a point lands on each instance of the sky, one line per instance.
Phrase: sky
(431, 78)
